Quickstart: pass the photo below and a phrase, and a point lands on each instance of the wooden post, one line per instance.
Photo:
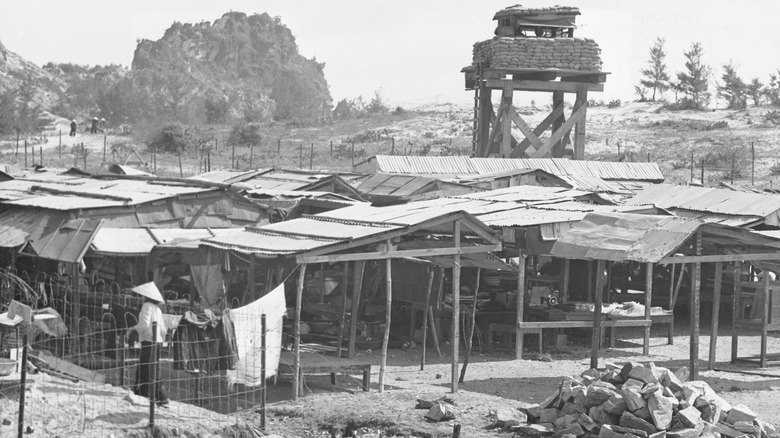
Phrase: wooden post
(353, 154)
(84, 154)
(520, 306)
(702, 172)
(752, 164)
(33, 155)
(181, 171)
(425, 317)
(691, 165)
(579, 129)
(484, 116)
(40, 154)
(505, 119)
(590, 280)
(75, 305)
(648, 305)
(105, 146)
(233, 157)
(297, 333)
(357, 285)
(278, 146)
(311, 156)
(715, 314)
(250, 280)
(342, 322)
(764, 320)
(300, 155)
(60, 145)
(25, 152)
(263, 353)
(251, 155)
(331, 148)
(455, 332)
(392, 145)
(154, 157)
(596, 339)
(695, 311)
(735, 311)
(565, 281)
(560, 145)
(388, 312)
(470, 339)
(17, 143)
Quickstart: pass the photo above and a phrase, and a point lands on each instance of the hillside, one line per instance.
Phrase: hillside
(15, 71)
(239, 66)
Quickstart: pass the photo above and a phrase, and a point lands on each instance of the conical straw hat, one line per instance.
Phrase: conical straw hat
(149, 290)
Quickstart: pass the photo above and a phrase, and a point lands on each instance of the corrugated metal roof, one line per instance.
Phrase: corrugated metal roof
(711, 200)
(121, 169)
(428, 165)
(66, 244)
(620, 237)
(715, 218)
(527, 194)
(593, 184)
(19, 225)
(140, 241)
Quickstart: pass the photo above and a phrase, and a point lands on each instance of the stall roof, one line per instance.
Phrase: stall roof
(67, 244)
(387, 187)
(645, 238)
(764, 208)
(322, 234)
(461, 165)
(19, 225)
(140, 241)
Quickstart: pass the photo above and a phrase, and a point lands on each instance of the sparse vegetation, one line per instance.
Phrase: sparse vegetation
(654, 77)
(694, 81)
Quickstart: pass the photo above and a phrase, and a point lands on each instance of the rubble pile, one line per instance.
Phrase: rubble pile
(538, 53)
(635, 401)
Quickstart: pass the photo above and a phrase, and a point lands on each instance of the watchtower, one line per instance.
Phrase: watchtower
(534, 50)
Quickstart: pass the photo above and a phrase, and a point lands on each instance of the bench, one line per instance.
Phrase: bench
(314, 363)
(537, 327)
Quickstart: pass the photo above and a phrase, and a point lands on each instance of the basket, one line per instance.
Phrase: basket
(7, 366)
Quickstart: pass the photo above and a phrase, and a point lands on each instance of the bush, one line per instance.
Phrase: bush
(614, 103)
(245, 134)
(172, 137)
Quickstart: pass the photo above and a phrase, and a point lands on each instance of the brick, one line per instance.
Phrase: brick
(569, 408)
(766, 429)
(591, 374)
(614, 377)
(565, 390)
(627, 419)
(658, 372)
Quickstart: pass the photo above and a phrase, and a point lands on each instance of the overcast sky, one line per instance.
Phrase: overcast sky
(410, 51)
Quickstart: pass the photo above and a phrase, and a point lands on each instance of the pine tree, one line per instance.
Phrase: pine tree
(733, 89)
(694, 82)
(656, 77)
(754, 90)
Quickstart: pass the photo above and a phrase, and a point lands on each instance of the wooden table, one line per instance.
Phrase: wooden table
(660, 318)
(315, 363)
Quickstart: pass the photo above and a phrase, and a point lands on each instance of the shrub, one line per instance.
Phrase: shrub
(171, 137)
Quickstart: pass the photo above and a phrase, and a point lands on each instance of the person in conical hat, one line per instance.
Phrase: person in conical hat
(149, 361)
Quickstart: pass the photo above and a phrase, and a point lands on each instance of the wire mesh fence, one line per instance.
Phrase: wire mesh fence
(75, 365)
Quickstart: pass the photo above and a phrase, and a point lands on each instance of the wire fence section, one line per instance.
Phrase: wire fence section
(75, 368)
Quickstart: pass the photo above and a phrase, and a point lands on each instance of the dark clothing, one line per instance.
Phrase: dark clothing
(143, 374)
(94, 126)
(204, 343)
(72, 129)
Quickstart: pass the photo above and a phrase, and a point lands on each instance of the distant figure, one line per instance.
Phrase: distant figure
(103, 124)
(94, 125)
(73, 128)
(539, 31)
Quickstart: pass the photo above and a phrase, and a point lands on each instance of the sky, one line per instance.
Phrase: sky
(410, 52)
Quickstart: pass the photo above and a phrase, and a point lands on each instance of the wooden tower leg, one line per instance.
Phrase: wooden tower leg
(485, 114)
(560, 146)
(505, 120)
(579, 129)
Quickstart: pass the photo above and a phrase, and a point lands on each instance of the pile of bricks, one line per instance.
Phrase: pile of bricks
(538, 53)
(635, 401)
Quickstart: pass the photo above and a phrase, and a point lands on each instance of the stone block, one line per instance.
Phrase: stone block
(746, 427)
(633, 398)
(633, 383)
(671, 381)
(591, 374)
(608, 432)
(643, 374)
(689, 417)
(643, 413)
(535, 430)
(614, 405)
(682, 433)
(766, 429)
(627, 419)
(548, 415)
(659, 434)
(507, 417)
(683, 373)
(565, 421)
(587, 423)
(635, 432)
(598, 394)
(740, 413)
(569, 408)
(660, 410)
(532, 410)
(727, 431)
(573, 429)
(626, 370)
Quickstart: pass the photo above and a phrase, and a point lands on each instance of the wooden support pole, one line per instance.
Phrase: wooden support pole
(520, 306)
(250, 279)
(470, 339)
(579, 129)
(297, 332)
(736, 312)
(695, 310)
(425, 317)
(765, 320)
(357, 285)
(677, 287)
(560, 145)
(455, 331)
(251, 155)
(388, 317)
(648, 306)
(565, 281)
(715, 314)
(596, 339)
(343, 317)
(484, 114)
(505, 120)
(311, 156)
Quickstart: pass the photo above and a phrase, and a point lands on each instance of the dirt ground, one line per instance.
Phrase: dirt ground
(56, 407)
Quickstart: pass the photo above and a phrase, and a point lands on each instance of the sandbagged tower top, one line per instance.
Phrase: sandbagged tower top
(555, 21)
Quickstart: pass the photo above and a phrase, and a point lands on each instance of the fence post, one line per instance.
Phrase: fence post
(60, 144)
(278, 146)
(331, 148)
(21, 386)
(17, 143)
(33, 156)
(121, 353)
(233, 157)
(105, 143)
(353, 154)
(84, 151)
(251, 155)
(25, 152)
(263, 344)
(300, 155)
(392, 147)
(181, 172)
(311, 156)
(40, 152)
(152, 388)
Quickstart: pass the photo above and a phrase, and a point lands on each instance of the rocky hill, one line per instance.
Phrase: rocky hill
(239, 66)
(16, 73)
